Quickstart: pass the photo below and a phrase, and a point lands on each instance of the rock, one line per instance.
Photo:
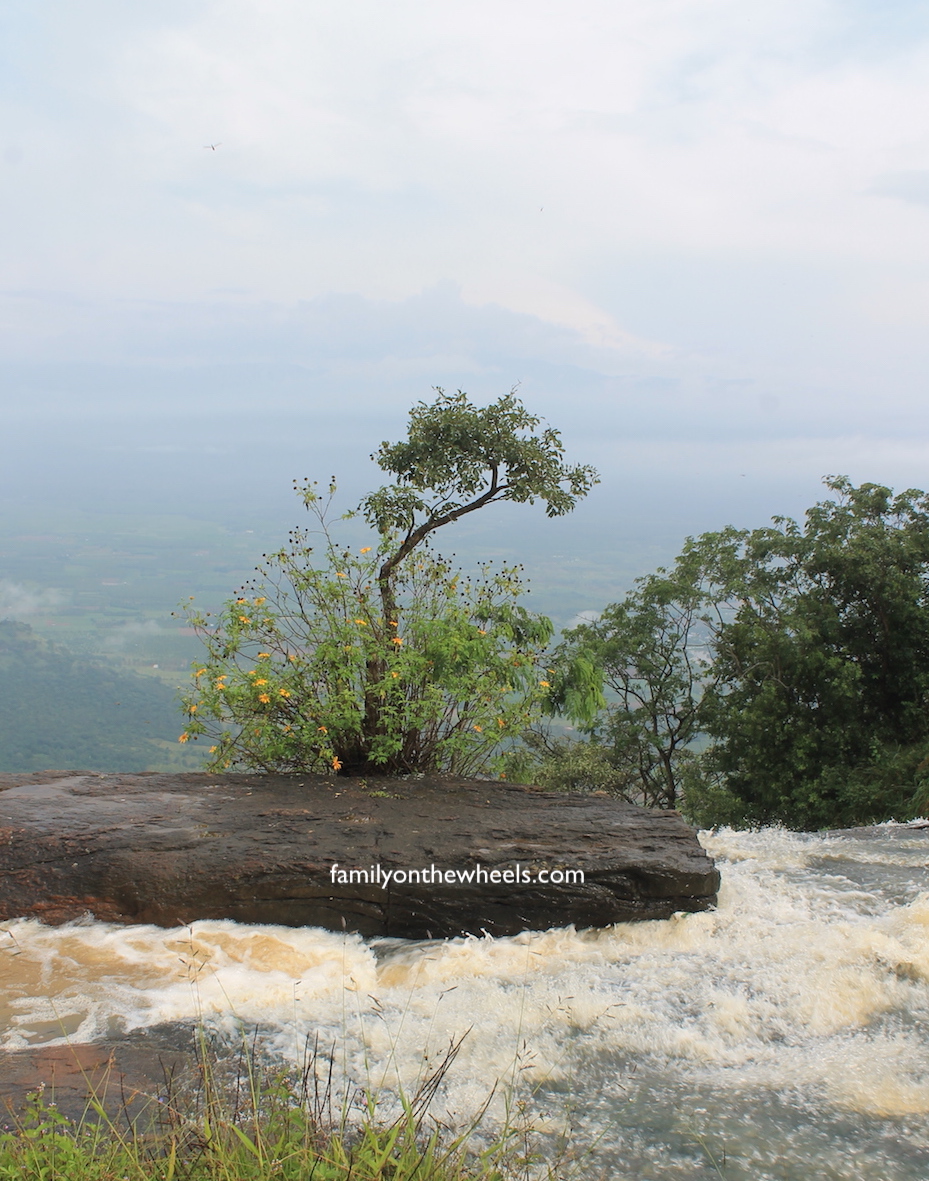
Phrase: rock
(170, 849)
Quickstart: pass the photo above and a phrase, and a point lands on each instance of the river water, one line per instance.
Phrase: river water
(784, 1035)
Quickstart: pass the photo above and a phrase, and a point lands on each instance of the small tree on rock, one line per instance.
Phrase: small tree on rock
(387, 660)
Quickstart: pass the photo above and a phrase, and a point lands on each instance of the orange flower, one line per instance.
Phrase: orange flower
(185, 737)
(395, 675)
(366, 549)
(501, 722)
(261, 681)
(479, 729)
(199, 672)
(193, 709)
(284, 692)
(396, 640)
(244, 619)
(545, 684)
(322, 729)
(336, 763)
(264, 655)
(264, 698)
(213, 750)
(362, 622)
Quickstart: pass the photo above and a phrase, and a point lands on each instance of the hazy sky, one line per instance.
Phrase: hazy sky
(696, 231)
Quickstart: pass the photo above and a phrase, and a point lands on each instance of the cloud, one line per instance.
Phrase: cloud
(18, 600)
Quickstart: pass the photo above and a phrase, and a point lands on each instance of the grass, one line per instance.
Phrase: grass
(240, 1120)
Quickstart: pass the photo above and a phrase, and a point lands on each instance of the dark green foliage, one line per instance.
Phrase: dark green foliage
(820, 713)
(62, 711)
(796, 656)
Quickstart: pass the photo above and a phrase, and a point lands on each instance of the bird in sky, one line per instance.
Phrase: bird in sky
(212, 147)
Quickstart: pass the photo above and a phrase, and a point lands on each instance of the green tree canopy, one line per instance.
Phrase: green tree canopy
(794, 658)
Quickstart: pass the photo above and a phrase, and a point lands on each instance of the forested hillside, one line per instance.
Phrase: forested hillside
(59, 710)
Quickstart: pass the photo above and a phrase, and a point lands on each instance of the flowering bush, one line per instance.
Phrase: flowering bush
(387, 660)
(302, 672)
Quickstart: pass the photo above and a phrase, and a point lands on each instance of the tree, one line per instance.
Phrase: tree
(388, 660)
(820, 714)
(651, 651)
(793, 658)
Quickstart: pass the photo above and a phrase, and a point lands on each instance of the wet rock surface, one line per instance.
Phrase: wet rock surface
(170, 849)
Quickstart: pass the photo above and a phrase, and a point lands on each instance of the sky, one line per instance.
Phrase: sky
(242, 237)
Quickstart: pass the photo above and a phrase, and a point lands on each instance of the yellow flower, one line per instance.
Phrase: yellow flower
(284, 692)
(264, 655)
(545, 684)
(244, 619)
(292, 659)
(199, 672)
(481, 631)
(362, 622)
(213, 750)
(258, 602)
(396, 640)
(241, 600)
(501, 722)
(336, 763)
(392, 623)
(395, 675)
(479, 729)
(340, 574)
(264, 698)
(366, 549)
(193, 709)
(261, 681)
(184, 737)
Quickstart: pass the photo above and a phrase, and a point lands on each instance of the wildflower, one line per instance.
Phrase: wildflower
(336, 763)
(258, 602)
(185, 737)
(340, 574)
(503, 774)
(261, 681)
(322, 729)
(292, 659)
(481, 631)
(501, 722)
(284, 692)
(545, 684)
(241, 600)
(391, 623)
(213, 750)
(366, 549)
(264, 655)
(396, 640)
(395, 675)
(193, 709)
(199, 672)
(362, 622)
(264, 698)
(479, 729)
(244, 619)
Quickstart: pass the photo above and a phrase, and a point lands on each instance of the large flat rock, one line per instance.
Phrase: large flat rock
(170, 849)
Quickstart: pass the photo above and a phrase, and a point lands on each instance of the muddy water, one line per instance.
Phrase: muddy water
(784, 1035)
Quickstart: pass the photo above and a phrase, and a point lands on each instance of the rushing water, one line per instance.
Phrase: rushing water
(784, 1035)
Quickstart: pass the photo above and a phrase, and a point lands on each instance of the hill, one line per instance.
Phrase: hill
(60, 710)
